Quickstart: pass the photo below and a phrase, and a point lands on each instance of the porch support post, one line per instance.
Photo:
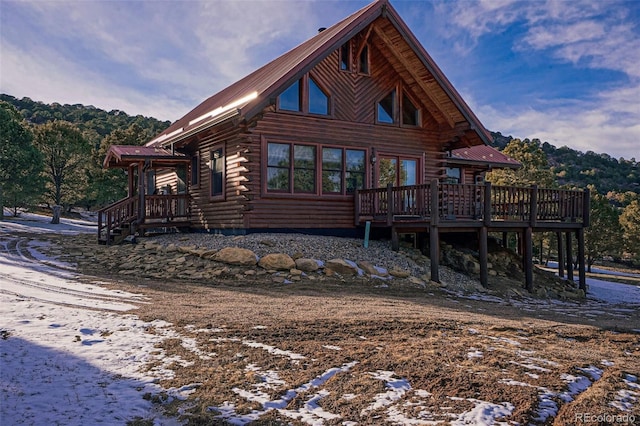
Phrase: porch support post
(569, 257)
(528, 258)
(131, 188)
(484, 257)
(141, 189)
(395, 239)
(505, 240)
(582, 280)
(560, 254)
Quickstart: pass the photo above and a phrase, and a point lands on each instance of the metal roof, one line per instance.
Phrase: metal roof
(250, 95)
(482, 154)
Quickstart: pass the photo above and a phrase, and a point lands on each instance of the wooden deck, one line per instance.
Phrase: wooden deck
(125, 217)
(435, 207)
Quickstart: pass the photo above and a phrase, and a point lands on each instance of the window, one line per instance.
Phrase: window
(389, 112)
(355, 168)
(281, 170)
(304, 168)
(217, 169)
(386, 108)
(363, 63)
(453, 175)
(151, 182)
(343, 170)
(410, 114)
(332, 170)
(345, 57)
(195, 170)
(278, 167)
(318, 100)
(291, 99)
(305, 95)
(297, 168)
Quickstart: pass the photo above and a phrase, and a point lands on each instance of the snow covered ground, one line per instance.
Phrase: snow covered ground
(71, 355)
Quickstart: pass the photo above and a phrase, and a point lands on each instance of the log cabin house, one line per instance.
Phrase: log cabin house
(355, 128)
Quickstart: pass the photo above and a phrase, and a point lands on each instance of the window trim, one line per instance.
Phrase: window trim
(223, 195)
(400, 93)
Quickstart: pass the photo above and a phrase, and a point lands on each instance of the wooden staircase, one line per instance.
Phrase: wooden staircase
(125, 217)
(117, 221)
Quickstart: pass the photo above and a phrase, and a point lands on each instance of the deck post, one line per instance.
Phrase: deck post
(484, 257)
(586, 208)
(434, 235)
(356, 207)
(434, 253)
(528, 258)
(582, 280)
(533, 208)
(560, 255)
(505, 239)
(395, 239)
(569, 257)
(141, 190)
(486, 212)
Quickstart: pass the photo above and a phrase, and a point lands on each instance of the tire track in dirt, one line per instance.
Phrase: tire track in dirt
(35, 278)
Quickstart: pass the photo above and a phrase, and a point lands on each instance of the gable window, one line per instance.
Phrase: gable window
(318, 100)
(390, 110)
(217, 173)
(386, 108)
(363, 60)
(291, 99)
(410, 113)
(345, 57)
(307, 96)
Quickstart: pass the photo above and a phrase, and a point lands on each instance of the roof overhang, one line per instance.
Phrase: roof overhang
(123, 156)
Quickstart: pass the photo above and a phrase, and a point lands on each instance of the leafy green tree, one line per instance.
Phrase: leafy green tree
(535, 167)
(20, 162)
(630, 222)
(603, 237)
(66, 155)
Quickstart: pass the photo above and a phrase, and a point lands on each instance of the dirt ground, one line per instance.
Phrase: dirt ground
(340, 352)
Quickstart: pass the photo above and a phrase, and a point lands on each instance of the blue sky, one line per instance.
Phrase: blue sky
(566, 72)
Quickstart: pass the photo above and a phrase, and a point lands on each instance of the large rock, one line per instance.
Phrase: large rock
(341, 266)
(236, 256)
(307, 265)
(277, 262)
(370, 269)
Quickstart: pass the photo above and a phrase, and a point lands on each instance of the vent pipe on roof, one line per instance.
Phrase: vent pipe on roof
(321, 29)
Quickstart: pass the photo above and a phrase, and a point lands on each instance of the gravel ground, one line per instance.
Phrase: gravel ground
(325, 248)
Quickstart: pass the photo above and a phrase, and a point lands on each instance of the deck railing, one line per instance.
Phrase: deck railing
(167, 207)
(471, 202)
(159, 210)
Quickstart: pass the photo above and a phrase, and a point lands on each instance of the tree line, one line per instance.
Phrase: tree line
(53, 154)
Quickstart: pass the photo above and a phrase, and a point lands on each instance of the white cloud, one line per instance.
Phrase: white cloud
(607, 125)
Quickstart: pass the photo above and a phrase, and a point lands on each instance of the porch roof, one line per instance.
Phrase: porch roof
(483, 155)
(125, 155)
